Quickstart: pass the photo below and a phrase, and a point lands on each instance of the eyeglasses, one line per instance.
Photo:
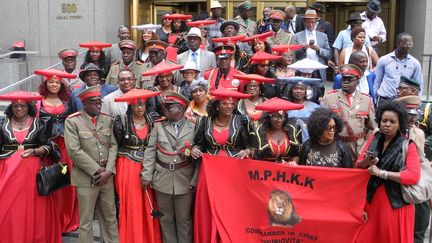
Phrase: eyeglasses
(331, 128)
(408, 44)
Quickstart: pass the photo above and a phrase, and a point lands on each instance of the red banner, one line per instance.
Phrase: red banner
(257, 201)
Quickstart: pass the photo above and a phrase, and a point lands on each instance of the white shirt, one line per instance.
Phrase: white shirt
(292, 25)
(114, 108)
(374, 27)
(198, 59)
(363, 86)
(311, 53)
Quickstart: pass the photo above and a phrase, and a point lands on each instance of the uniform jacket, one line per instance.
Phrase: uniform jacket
(241, 136)
(280, 38)
(322, 42)
(207, 60)
(56, 122)
(249, 30)
(360, 115)
(173, 182)
(129, 145)
(265, 152)
(136, 67)
(36, 137)
(76, 103)
(85, 150)
(215, 80)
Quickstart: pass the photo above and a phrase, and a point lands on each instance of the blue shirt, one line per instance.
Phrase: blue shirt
(388, 71)
(343, 40)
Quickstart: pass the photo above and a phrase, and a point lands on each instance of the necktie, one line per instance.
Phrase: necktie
(195, 58)
(349, 99)
(176, 128)
(93, 120)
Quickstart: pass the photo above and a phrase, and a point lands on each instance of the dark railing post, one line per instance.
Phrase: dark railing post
(428, 75)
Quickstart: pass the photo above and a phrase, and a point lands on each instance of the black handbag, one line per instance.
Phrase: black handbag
(53, 177)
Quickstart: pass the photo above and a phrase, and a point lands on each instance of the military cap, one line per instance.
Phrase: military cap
(277, 14)
(129, 44)
(350, 70)
(67, 53)
(246, 5)
(156, 45)
(90, 92)
(411, 103)
(223, 51)
(410, 82)
(174, 97)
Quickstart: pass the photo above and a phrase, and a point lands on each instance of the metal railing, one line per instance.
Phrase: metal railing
(8, 54)
(428, 75)
(31, 83)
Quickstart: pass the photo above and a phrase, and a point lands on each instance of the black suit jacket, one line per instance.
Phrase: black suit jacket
(325, 27)
(299, 23)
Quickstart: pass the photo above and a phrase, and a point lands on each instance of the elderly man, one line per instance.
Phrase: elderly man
(91, 76)
(264, 24)
(171, 172)
(126, 82)
(343, 39)
(322, 24)
(157, 54)
(114, 53)
(354, 108)
(68, 57)
(315, 43)
(202, 59)
(392, 66)
(213, 31)
(127, 48)
(91, 145)
(294, 22)
(280, 37)
(373, 24)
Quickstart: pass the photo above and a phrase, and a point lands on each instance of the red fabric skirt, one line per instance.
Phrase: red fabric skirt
(387, 224)
(24, 215)
(65, 198)
(135, 221)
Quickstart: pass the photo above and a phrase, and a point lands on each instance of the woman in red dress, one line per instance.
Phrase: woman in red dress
(132, 132)
(24, 215)
(54, 109)
(388, 217)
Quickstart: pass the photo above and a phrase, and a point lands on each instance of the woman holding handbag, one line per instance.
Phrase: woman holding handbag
(53, 109)
(25, 215)
(388, 217)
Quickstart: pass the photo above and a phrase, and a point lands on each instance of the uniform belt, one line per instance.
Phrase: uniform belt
(353, 138)
(135, 147)
(102, 163)
(14, 147)
(173, 166)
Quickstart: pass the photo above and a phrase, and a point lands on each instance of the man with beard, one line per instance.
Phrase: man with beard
(127, 48)
(157, 54)
(264, 23)
(68, 57)
(280, 37)
(91, 145)
(392, 66)
(354, 108)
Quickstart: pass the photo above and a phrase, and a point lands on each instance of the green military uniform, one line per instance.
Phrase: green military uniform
(136, 67)
(359, 117)
(171, 172)
(89, 154)
(248, 27)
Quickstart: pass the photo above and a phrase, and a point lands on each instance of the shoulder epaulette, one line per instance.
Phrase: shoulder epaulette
(103, 113)
(115, 63)
(139, 62)
(160, 120)
(332, 91)
(74, 114)
(365, 94)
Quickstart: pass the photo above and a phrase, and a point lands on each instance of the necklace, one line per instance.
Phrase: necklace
(219, 124)
(21, 123)
(139, 124)
(253, 103)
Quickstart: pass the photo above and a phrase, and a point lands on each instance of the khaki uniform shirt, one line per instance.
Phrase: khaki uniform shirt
(249, 30)
(136, 67)
(280, 38)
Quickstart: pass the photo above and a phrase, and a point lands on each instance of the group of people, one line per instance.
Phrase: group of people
(132, 122)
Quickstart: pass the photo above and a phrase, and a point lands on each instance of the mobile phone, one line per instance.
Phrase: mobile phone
(311, 42)
(370, 154)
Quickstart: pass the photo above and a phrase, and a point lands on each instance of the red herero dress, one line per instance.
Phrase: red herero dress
(135, 222)
(387, 224)
(25, 217)
(65, 198)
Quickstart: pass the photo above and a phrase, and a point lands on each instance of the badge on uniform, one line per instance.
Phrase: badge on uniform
(235, 82)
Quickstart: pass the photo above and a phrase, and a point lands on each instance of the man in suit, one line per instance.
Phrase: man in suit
(280, 37)
(92, 146)
(294, 21)
(315, 43)
(170, 171)
(128, 48)
(202, 59)
(322, 24)
(91, 76)
(354, 108)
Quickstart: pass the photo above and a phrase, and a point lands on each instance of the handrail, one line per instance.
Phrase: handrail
(24, 80)
(17, 52)
(429, 74)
